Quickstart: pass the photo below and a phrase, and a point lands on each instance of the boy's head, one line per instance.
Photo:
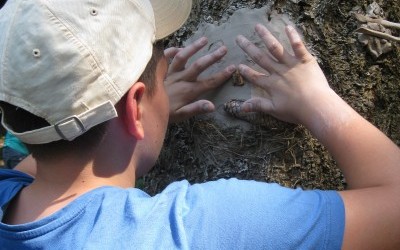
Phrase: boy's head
(69, 62)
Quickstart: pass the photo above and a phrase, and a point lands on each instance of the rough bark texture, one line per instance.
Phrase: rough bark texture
(199, 150)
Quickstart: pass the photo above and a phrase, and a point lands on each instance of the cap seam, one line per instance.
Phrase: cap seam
(9, 97)
(20, 102)
(83, 47)
(82, 63)
(6, 40)
(148, 18)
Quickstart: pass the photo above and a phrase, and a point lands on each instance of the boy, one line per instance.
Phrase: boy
(96, 109)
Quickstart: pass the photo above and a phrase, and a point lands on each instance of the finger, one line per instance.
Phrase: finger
(204, 62)
(183, 56)
(257, 104)
(217, 79)
(171, 52)
(273, 45)
(259, 79)
(300, 51)
(260, 57)
(201, 86)
(192, 109)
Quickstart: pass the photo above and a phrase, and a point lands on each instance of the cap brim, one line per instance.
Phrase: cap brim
(170, 15)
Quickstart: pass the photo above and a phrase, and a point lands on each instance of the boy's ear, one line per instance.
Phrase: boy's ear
(133, 110)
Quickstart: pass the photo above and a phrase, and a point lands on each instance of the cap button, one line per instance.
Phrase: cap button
(36, 53)
(93, 12)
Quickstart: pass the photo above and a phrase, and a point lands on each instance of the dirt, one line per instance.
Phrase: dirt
(200, 150)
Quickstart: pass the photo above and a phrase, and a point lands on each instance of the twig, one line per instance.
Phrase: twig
(377, 34)
(366, 19)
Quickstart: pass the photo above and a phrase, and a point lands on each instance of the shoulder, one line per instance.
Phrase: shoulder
(237, 207)
(11, 182)
(261, 192)
(235, 191)
(8, 177)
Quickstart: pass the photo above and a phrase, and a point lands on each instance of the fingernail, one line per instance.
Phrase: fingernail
(207, 107)
(247, 107)
(240, 39)
(203, 41)
(295, 37)
(231, 69)
(222, 51)
(241, 68)
(259, 27)
(293, 34)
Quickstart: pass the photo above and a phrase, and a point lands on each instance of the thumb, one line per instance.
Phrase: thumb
(257, 104)
(192, 109)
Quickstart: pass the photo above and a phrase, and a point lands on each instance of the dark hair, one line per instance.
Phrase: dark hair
(21, 120)
(2, 3)
(148, 76)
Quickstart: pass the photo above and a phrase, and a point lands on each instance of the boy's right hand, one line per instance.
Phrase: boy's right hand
(298, 92)
(295, 85)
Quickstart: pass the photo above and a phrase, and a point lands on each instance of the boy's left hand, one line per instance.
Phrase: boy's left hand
(183, 84)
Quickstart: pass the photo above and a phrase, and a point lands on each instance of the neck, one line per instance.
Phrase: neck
(56, 185)
(58, 182)
(74, 175)
(111, 164)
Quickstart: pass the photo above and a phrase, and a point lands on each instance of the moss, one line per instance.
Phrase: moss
(200, 151)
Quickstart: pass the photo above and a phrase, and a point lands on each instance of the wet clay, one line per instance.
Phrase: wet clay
(242, 22)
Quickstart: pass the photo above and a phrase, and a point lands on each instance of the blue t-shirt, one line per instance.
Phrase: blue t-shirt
(223, 214)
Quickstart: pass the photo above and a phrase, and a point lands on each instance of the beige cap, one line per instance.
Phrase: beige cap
(71, 61)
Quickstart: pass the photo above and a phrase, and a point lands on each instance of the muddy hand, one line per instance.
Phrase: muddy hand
(183, 84)
(294, 83)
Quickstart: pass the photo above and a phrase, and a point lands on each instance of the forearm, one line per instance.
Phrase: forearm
(367, 157)
(299, 93)
(370, 163)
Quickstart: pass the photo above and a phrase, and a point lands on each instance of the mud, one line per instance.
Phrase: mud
(200, 149)
(240, 22)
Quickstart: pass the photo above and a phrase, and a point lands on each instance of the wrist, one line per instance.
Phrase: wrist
(327, 115)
